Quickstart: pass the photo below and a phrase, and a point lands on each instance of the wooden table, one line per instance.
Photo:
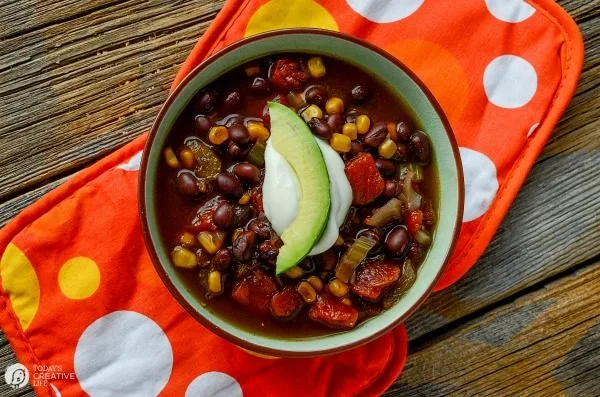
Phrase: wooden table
(79, 79)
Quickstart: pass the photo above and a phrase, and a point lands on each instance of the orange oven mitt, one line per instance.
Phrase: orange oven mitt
(81, 297)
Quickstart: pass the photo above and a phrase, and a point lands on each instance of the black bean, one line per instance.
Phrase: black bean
(376, 134)
(261, 228)
(243, 245)
(229, 184)
(222, 259)
(233, 119)
(260, 86)
(239, 134)
(386, 167)
(392, 188)
(207, 100)
(269, 250)
(232, 101)
(187, 184)
(402, 153)
(397, 241)
(320, 128)
(327, 260)
(420, 146)
(336, 122)
(307, 265)
(355, 148)
(247, 172)
(241, 214)
(316, 95)
(360, 93)
(351, 115)
(402, 131)
(202, 124)
(223, 216)
(237, 151)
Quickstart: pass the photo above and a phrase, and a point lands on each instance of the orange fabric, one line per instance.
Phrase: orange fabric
(78, 288)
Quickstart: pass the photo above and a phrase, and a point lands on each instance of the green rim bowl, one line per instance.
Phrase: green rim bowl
(426, 111)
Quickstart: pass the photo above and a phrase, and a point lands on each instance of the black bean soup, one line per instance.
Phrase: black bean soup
(211, 216)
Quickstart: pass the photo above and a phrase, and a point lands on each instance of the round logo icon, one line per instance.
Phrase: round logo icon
(16, 376)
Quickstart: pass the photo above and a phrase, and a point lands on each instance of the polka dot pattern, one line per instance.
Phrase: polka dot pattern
(509, 81)
(123, 351)
(79, 278)
(510, 10)
(481, 183)
(532, 129)
(133, 164)
(214, 384)
(385, 11)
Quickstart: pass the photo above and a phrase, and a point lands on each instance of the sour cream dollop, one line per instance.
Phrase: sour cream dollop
(281, 194)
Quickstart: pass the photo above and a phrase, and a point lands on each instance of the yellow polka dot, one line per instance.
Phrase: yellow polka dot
(20, 283)
(280, 14)
(79, 278)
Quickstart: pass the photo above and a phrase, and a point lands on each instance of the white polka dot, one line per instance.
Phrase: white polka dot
(214, 384)
(55, 390)
(133, 164)
(509, 81)
(510, 10)
(124, 353)
(481, 183)
(532, 129)
(384, 11)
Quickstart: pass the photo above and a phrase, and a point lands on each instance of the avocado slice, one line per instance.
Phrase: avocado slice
(292, 138)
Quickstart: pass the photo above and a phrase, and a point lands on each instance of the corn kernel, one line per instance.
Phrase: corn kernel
(340, 143)
(171, 158)
(294, 272)
(257, 131)
(363, 123)
(211, 241)
(334, 105)
(347, 301)
(337, 287)
(188, 239)
(252, 70)
(308, 293)
(245, 199)
(215, 284)
(387, 148)
(236, 233)
(339, 241)
(316, 283)
(218, 134)
(349, 129)
(187, 157)
(316, 67)
(392, 134)
(184, 258)
(312, 111)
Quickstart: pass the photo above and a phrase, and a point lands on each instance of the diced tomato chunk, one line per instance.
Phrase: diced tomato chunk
(255, 291)
(414, 221)
(332, 312)
(285, 305)
(287, 73)
(364, 177)
(202, 217)
(373, 278)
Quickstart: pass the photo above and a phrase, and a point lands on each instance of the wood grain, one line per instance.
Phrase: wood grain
(546, 343)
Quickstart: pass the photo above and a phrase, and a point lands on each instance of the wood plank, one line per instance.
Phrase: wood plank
(546, 343)
(92, 83)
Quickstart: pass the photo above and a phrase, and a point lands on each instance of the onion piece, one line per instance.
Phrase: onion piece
(413, 199)
(353, 257)
(390, 211)
(409, 275)
(423, 237)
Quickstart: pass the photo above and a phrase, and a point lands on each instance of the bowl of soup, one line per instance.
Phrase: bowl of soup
(300, 193)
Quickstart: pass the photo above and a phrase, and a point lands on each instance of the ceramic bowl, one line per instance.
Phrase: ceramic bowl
(426, 111)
